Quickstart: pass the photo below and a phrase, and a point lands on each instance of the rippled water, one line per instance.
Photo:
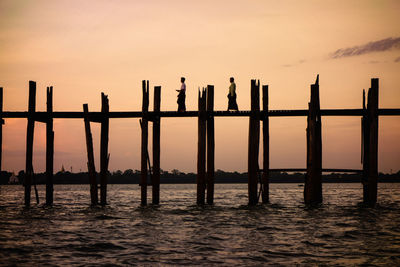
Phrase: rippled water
(339, 232)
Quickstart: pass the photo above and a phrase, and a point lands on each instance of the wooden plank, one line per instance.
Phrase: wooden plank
(323, 170)
(90, 155)
(29, 142)
(201, 148)
(156, 147)
(371, 185)
(265, 174)
(104, 156)
(145, 108)
(210, 145)
(49, 147)
(254, 142)
(313, 180)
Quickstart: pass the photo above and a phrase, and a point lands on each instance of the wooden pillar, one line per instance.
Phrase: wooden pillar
(90, 163)
(364, 149)
(155, 178)
(145, 108)
(210, 145)
(201, 148)
(370, 139)
(29, 142)
(49, 147)
(254, 142)
(265, 174)
(313, 181)
(1, 125)
(104, 156)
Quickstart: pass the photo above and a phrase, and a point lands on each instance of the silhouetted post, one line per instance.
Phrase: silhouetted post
(1, 124)
(371, 141)
(254, 142)
(90, 163)
(210, 144)
(104, 156)
(201, 148)
(265, 174)
(364, 148)
(29, 142)
(49, 147)
(155, 178)
(313, 181)
(145, 109)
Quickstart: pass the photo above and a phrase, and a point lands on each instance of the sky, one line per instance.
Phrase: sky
(83, 48)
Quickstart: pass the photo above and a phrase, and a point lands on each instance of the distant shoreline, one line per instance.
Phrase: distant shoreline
(176, 177)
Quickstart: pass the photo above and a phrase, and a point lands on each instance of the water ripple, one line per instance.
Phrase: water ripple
(286, 232)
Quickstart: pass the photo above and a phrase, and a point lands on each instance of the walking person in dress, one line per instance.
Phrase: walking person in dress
(232, 105)
(182, 96)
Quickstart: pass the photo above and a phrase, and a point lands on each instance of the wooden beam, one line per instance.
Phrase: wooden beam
(254, 142)
(323, 170)
(90, 155)
(371, 184)
(265, 174)
(104, 156)
(156, 147)
(313, 180)
(210, 145)
(201, 148)
(145, 108)
(95, 116)
(49, 148)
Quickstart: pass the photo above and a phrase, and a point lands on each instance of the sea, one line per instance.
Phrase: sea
(285, 232)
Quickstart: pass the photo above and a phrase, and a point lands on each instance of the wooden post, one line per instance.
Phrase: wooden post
(265, 174)
(313, 181)
(91, 166)
(156, 147)
(371, 145)
(201, 148)
(145, 108)
(364, 149)
(254, 142)
(104, 156)
(49, 147)
(1, 125)
(210, 144)
(29, 142)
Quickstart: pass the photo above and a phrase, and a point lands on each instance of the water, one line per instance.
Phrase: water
(285, 232)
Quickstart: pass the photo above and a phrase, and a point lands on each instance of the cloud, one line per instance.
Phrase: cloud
(377, 46)
(301, 61)
(397, 59)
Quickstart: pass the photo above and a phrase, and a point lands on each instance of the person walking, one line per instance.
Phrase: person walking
(232, 105)
(182, 96)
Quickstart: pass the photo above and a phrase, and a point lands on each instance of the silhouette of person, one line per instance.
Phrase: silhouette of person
(182, 96)
(232, 105)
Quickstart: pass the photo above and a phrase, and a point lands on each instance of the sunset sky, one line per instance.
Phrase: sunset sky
(83, 48)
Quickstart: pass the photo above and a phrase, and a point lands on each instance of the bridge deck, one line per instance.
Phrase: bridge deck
(138, 114)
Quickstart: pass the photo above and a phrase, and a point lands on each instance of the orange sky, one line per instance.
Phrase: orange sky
(84, 48)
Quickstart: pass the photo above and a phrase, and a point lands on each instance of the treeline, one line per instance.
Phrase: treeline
(177, 177)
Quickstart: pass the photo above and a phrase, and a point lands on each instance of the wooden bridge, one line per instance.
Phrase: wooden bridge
(258, 178)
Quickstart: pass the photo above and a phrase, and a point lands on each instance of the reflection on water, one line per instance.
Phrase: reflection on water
(284, 232)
